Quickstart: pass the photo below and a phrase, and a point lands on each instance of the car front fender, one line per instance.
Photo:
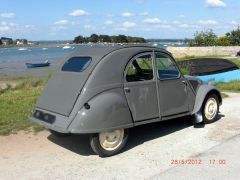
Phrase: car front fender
(202, 92)
(106, 111)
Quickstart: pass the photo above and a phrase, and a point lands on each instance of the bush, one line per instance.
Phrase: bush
(209, 38)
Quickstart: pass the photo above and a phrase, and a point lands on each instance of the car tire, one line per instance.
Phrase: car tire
(210, 109)
(110, 143)
(58, 134)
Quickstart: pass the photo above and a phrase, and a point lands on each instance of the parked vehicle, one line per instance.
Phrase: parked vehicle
(105, 91)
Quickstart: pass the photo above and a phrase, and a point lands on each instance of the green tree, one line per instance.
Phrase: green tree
(79, 39)
(93, 38)
(234, 37)
(223, 41)
(1, 42)
(104, 38)
(204, 38)
(119, 39)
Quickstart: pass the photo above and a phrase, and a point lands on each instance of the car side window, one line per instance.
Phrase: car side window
(140, 69)
(165, 67)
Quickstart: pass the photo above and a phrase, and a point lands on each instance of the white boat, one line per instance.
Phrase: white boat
(22, 49)
(155, 44)
(44, 49)
(66, 47)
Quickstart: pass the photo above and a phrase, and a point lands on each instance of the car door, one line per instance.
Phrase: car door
(172, 86)
(140, 88)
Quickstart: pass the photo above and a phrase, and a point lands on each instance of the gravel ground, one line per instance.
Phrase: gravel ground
(148, 154)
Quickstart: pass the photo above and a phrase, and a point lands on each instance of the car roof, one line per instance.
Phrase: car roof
(103, 51)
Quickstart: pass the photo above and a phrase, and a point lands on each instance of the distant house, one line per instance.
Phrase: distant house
(6, 41)
(21, 42)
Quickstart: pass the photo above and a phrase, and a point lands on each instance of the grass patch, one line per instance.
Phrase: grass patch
(17, 103)
(233, 86)
(185, 71)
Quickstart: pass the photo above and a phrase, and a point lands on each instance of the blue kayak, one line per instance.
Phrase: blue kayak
(36, 65)
(221, 77)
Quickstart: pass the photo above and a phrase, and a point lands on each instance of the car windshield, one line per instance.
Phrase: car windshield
(77, 64)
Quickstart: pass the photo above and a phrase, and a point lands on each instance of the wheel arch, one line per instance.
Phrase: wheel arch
(203, 92)
(107, 111)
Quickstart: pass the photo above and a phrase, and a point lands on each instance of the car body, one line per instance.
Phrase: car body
(106, 91)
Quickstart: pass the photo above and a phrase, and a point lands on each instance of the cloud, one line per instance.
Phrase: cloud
(152, 20)
(216, 3)
(16, 28)
(208, 22)
(143, 14)
(125, 26)
(8, 15)
(127, 14)
(234, 22)
(108, 22)
(185, 26)
(78, 12)
(61, 22)
(128, 24)
(4, 28)
(189, 26)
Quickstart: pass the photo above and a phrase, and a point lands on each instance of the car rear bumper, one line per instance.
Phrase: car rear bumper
(59, 123)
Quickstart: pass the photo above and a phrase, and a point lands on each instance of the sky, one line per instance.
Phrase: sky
(65, 19)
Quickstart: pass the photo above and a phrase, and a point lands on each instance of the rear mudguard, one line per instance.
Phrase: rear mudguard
(106, 111)
(202, 92)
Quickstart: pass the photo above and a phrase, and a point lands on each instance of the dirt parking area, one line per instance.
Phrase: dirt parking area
(149, 153)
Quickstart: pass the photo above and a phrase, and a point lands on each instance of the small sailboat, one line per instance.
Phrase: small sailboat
(66, 47)
(22, 49)
(155, 44)
(35, 65)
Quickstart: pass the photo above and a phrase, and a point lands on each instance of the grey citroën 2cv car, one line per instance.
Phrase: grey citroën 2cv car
(105, 91)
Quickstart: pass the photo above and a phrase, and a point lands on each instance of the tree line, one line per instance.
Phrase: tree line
(94, 38)
(10, 41)
(209, 38)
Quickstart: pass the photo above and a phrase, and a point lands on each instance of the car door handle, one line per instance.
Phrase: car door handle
(127, 90)
(184, 82)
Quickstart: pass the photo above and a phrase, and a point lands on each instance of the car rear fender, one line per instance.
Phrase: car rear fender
(106, 111)
(202, 92)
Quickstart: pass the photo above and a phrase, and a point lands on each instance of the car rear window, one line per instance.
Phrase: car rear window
(77, 64)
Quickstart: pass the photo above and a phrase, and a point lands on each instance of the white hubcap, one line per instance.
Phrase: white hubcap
(111, 140)
(210, 109)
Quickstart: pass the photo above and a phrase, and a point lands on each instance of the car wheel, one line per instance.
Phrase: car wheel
(210, 109)
(109, 143)
(58, 134)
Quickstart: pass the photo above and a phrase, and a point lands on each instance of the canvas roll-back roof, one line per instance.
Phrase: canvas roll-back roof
(97, 53)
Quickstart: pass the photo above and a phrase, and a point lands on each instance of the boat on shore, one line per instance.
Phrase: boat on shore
(36, 65)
